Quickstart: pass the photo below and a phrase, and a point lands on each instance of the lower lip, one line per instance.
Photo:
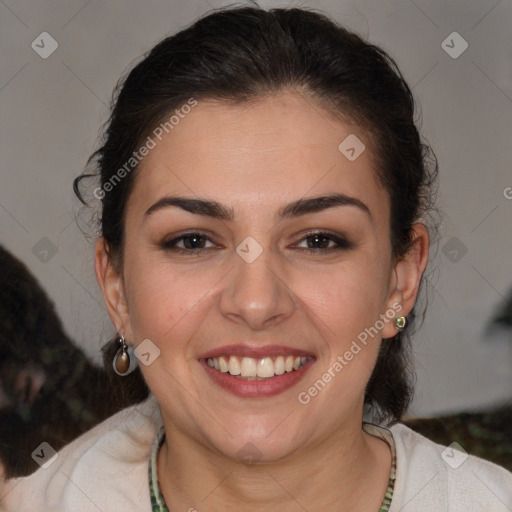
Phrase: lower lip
(256, 388)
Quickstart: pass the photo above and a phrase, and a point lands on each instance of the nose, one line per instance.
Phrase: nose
(257, 293)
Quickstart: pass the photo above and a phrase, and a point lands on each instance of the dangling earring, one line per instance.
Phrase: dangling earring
(121, 361)
(400, 323)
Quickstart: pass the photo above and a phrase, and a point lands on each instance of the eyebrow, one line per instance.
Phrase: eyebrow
(295, 209)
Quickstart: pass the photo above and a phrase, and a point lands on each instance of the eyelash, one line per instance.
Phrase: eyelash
(342, 243)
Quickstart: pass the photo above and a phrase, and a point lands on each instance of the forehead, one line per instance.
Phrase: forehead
(260, 155)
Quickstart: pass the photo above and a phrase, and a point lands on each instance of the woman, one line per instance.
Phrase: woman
(264, 198)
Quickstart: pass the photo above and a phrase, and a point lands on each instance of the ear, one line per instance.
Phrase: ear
(406, 278)
(112, 287)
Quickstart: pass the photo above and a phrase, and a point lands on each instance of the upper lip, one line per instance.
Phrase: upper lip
(254, 352)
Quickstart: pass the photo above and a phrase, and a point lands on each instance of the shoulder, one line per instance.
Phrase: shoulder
(106, 468)
(430, 476)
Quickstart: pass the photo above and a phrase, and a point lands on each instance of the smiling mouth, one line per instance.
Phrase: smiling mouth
(263, 368)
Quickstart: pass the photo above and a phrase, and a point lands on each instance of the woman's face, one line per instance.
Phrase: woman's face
(269, 273)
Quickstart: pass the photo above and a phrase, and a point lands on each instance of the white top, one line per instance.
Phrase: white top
(106, 469)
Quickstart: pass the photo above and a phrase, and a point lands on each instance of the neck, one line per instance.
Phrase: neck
(347, 471)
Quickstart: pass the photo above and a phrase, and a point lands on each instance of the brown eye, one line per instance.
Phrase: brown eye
(325, 242)
(190, 242)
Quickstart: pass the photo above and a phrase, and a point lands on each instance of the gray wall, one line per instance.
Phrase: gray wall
(52, 109)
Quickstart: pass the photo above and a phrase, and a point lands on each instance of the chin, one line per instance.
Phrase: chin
(258, 444)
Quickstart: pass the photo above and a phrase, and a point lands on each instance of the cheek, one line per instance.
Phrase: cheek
(347, 298)
(346, 305)
(159, 298)
(167, 308)
(345, 308)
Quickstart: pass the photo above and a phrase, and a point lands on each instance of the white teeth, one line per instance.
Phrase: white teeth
(255, 369)
(279, 365)
(248, 367)
(233, 366)
(223, 365)
(265, 367)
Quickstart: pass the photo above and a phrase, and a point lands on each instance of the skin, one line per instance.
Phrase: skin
(255, 159)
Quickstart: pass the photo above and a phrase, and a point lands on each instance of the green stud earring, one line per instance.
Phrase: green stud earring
(400, 322)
